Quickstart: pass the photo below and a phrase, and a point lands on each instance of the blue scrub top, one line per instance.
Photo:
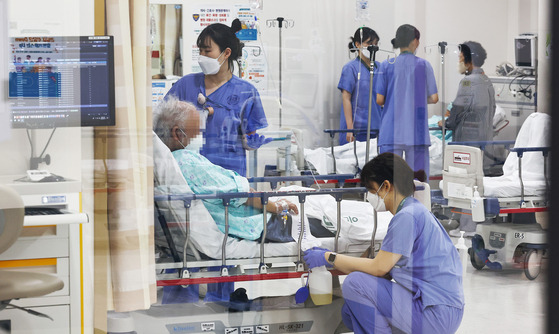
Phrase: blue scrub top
(405, 81)
(430, 266)
(236, 104)
(359, 100)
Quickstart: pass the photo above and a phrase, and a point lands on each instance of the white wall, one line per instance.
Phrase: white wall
(46, 18)
(544, 56)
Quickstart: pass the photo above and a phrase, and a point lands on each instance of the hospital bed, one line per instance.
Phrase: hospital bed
(355, 226)
(348, 158)
(199, 245)
(507, 235)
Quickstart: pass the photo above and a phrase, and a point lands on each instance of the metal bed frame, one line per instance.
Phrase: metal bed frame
(508, 244)
(244, 268)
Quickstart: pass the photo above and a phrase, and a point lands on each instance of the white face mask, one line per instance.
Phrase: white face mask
(462, 69)
(377, 202)
(209, 65)
(366, 53)
(195, 144)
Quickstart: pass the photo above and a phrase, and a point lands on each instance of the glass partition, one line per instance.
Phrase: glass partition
(312, 164)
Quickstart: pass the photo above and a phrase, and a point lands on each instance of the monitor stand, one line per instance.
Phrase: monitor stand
(34, 174)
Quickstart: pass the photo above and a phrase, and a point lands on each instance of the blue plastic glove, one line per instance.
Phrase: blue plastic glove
(254, 141)
(314, 257)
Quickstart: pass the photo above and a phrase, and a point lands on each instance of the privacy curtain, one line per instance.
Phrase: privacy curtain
(129, 171)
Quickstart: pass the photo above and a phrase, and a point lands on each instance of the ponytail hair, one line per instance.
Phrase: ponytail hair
(224, 37)
(368, 34)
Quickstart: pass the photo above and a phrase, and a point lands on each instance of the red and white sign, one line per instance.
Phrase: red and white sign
(462, 158)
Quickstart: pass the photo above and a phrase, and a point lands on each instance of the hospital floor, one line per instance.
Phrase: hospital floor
(496, 302)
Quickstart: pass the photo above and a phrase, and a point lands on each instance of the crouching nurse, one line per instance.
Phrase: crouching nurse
(414, 284)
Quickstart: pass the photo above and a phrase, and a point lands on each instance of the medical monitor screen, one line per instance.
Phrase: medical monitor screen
(524, 49)
(61, 81)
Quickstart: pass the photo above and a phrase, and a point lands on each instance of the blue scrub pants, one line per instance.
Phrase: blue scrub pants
(377, 305)
(417, 156)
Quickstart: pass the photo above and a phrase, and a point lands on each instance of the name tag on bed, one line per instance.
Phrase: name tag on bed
(461, 158)
(458, 190)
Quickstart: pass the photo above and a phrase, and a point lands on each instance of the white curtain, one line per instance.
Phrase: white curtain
(129, 164)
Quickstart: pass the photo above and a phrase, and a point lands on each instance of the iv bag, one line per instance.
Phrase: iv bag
(362, 11)
(255, 4)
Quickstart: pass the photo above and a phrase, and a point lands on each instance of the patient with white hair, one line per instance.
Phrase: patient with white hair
(177, 124)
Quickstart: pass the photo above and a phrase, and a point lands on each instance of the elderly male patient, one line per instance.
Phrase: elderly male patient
(177, 123)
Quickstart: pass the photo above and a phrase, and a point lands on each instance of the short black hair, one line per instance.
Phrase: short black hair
(224, 37)
(473, 53)
(404, 35)
(389, 167)
(368, 34)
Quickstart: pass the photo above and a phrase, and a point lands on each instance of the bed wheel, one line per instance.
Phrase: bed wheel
(533, 263)
(474, 259)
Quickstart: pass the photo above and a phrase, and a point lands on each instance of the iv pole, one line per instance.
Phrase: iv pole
(373, 49)
(272, 23)
(442, 50)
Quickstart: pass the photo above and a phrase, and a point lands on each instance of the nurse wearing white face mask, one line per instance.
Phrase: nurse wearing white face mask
(354, 85)
(235, 109)
(415, 281)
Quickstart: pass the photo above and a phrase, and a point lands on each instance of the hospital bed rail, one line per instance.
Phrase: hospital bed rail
(306, 180)
(187, 277)
(482, 144)
(520, 154)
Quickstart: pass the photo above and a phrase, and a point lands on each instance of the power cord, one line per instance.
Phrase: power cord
(522, 90)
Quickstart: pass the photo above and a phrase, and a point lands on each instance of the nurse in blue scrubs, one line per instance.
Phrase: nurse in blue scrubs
(354, 85)
(235, 107)
(405, 85)
(414, 283)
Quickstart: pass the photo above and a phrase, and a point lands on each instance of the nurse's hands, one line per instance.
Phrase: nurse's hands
(254, 141)
(315, 257)
(349, 137)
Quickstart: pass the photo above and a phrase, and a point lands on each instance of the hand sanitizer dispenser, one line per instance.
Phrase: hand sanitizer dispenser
(478, 211)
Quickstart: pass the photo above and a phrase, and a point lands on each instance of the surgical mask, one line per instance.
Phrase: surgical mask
(462, 69)
(195, 144)
(209, 65)
(377, 202)
(366, 53)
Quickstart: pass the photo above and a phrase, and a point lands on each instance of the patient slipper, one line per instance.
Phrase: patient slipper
(302, 294)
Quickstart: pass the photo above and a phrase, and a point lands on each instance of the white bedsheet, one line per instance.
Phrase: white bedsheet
(321, 158)
(533, 133)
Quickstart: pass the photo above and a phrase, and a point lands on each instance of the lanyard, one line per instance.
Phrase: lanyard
(368, 66)
(401, 204)
(406, 53)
